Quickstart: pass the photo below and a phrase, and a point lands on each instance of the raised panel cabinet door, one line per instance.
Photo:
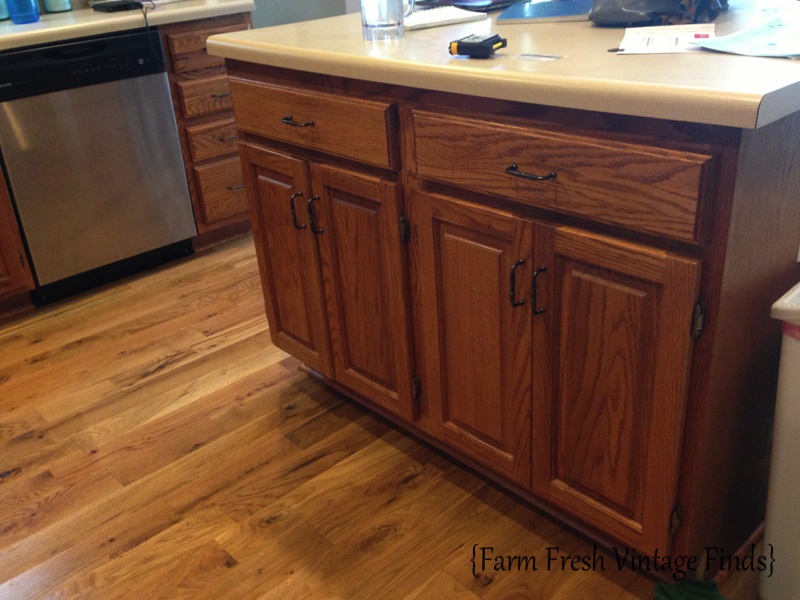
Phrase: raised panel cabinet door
(477, 329)
(278, 187)
(612, 352)
(357, 221)
(15, 275)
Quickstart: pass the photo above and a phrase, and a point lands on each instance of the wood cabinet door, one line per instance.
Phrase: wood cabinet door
(15, 275)
(477, 331)
(288, 254)
(357, 223)
(612, 353)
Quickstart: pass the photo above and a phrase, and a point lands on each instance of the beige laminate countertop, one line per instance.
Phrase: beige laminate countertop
(703, 87)
(82, 22)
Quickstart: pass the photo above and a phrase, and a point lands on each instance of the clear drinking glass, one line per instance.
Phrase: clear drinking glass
(383, 19)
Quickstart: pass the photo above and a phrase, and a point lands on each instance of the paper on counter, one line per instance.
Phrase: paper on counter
(778, 37)
(665, 39)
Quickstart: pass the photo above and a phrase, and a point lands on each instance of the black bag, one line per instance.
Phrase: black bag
(655, 12)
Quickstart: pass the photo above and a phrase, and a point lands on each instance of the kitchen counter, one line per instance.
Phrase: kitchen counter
(702, 87)
(83, 22)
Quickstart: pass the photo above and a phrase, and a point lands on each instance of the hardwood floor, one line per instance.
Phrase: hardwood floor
(154, 444)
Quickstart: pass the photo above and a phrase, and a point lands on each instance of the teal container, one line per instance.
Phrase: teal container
(53, 6)
(23, 11)
(3, 10)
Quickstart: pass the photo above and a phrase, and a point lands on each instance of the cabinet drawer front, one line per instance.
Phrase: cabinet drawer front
(638, 187)
(188, 49)
(212, 139)
(203, 96)
(347, 127)
(222, 190)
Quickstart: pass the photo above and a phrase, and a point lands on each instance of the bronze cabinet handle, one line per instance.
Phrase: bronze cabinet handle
(294, 212)
(233, 188)
(512, 284)
(229, 138)
(311, 216)
(514, 170)
(290, 121)
(223, 95)
(534, 290)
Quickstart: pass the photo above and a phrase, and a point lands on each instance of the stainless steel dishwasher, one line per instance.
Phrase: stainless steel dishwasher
(91, 152)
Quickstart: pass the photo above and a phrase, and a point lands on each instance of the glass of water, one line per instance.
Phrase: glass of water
(383, 19)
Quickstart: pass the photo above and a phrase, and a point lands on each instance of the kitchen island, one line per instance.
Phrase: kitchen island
(558, 271)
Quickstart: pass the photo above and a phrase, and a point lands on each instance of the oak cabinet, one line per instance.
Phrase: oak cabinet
(279, 187)
(478, 334)
(334, 272)
(613, 346)
(15, 273)
(202, 99)
(569, 302)
(559, 359)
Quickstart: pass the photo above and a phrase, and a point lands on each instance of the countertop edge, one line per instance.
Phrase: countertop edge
(85, 22)
(674, 103)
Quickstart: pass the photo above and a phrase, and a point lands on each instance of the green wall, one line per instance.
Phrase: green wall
(277, 12)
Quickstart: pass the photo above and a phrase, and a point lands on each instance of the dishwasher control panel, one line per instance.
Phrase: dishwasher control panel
(50, 68)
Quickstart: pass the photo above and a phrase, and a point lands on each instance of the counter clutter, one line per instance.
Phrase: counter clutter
(558, 272)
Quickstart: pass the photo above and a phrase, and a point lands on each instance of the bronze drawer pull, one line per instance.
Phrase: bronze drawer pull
(229, 138)
(536, 273)
(290, 121)
(311, 217)
(512, 284)
(236, 187)
(294, 212)
(223, 95)
(513, 170)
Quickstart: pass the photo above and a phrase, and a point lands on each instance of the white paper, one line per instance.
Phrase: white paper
(665, 39)
(778, 37)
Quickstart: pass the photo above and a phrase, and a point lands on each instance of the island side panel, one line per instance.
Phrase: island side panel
(753, 260)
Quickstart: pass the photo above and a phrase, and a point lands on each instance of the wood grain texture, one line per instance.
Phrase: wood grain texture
(188, 48)
(222, 190)
(288, 251)
(211, 140)
(297, 494)
(203, 96)
(194, 76)
(478, 371)
(365, 275)
(611, 398)
(352, 128)
(643, 188)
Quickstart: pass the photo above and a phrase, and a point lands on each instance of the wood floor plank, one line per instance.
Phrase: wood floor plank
(124, 409)
(45, 499)
(164, 566)
(441, 587)
(93, 546)
(155, 444)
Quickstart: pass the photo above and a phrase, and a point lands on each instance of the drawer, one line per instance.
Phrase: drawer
(204, 96)
(362, 130)
(222, 191)
(188, 49)
(212, 139)
(642, 188)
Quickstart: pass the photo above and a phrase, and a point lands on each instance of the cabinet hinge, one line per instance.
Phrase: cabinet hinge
(698, 318)
(21, 258)
(416, 388)
(675, 520)
(405, 229)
